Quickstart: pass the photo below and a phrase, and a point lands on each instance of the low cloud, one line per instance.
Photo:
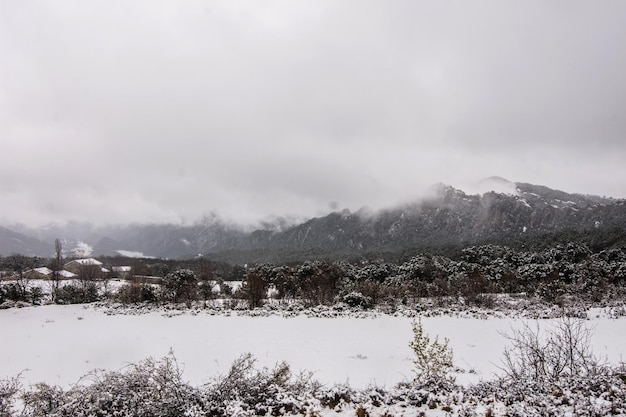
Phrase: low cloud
(143, 112)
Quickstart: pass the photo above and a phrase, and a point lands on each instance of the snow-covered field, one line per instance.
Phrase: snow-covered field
(59, 344)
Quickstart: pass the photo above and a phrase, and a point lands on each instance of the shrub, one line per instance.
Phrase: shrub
(356, 299)
(563, 351)
(14, 292)
(77, 294)
(149, 388)
(433, 360)
(9, 389)
(36, 295)
(255, 288)
(181, 286)
(136, 293)
(43, 400)
(259, 392)
(155, 388)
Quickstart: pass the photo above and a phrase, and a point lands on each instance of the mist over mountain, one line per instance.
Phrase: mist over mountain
(13, 242)
(499, 210)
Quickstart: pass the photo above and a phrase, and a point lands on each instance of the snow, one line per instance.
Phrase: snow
(86, 262)
(234, 285)
(59, 344)
(67, 274)
(133, 254)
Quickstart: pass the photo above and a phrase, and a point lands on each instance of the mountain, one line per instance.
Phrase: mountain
(16, 243)
(501, 210)
(452, 217)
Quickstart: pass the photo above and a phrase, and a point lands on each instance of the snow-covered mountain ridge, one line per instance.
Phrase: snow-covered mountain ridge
(501, 210)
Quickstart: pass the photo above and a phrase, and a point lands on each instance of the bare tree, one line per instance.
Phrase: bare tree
(57, 266)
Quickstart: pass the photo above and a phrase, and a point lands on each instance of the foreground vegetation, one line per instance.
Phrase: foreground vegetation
(548, 374)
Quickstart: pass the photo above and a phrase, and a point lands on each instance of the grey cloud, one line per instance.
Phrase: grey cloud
(255, 109)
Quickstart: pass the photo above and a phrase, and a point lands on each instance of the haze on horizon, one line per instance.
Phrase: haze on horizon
(142, 111)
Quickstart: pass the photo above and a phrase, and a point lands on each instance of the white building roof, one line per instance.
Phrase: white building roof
(66, 274)
(43, 270)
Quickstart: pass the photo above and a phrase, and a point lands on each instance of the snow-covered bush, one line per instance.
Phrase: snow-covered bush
(259, 391)
(76, 294)
(43, 400)
(561, 351)
(155, 388)
(600, 394)
(433, 359)
(337, 396)
(150, 388)
(14, 292)
(356, 299)
(180, 286)
(9, 389)
(136, 293)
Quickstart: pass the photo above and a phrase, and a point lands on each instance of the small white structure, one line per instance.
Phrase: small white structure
(87, 267)
(66, 274)
(43, 273)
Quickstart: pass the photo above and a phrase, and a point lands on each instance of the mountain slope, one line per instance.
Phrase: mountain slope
(452, 217)
(448, 217)
(16, 243)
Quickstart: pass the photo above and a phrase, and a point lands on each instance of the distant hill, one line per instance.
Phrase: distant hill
(448, 217)
(16, 243)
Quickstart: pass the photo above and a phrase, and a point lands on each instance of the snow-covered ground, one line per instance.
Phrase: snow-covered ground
(59, 344)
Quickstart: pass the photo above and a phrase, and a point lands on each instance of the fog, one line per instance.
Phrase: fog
(143, 111)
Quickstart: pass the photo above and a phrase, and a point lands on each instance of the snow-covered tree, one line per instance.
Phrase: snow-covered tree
(433, 359)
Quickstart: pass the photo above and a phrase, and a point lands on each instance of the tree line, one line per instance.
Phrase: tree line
(473, 276)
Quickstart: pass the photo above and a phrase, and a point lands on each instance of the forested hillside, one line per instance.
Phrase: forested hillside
(448, 218)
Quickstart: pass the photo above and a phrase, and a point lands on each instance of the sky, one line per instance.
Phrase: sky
(165, 111)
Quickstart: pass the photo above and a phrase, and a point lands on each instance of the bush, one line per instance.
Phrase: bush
(260, 392)
(14, 292)
(36, 295)
(155, 388)
(136, 293)
(254, 288)
(433, 360)
(77, 294)
(149, 388)
(563, 351)
(43, 400)
(181, 286)
(356, 299)
(9, 389)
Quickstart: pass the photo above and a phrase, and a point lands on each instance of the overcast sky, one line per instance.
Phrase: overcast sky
(153, 111)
